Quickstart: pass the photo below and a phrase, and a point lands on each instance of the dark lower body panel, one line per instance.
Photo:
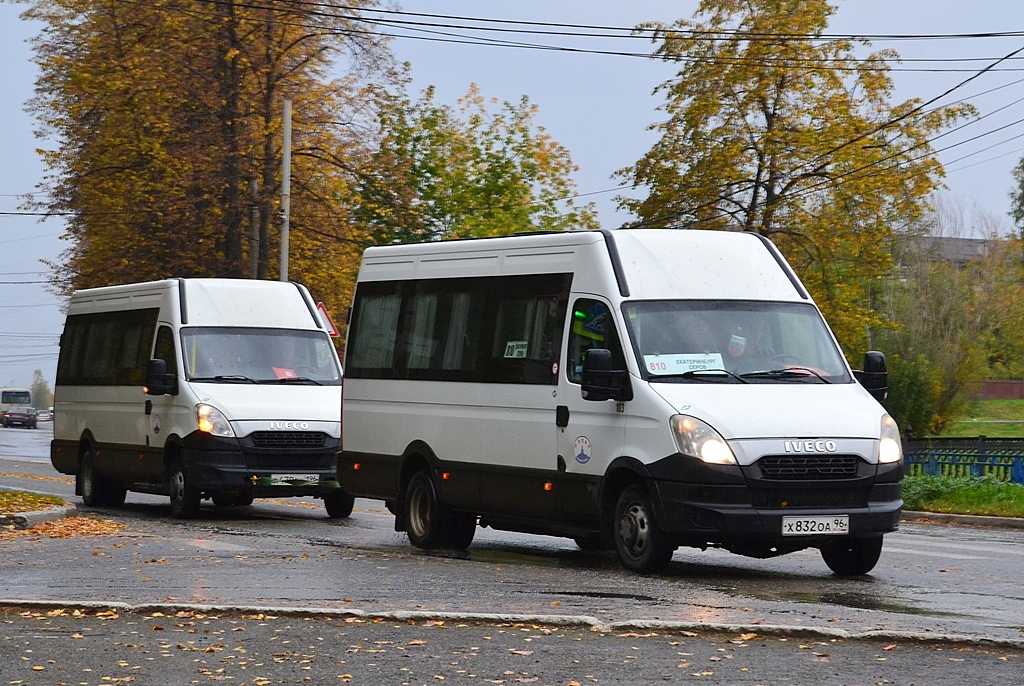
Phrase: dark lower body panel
(213, 465)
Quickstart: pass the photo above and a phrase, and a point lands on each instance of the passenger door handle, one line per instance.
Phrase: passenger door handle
(562, 416)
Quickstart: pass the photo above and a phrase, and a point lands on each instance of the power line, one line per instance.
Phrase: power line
(632, 32)
(463, 39)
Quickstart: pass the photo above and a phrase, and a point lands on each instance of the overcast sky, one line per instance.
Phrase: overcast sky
(598, 106)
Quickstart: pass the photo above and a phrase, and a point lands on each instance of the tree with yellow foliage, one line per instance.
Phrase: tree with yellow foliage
(773, 127)
(166, 123)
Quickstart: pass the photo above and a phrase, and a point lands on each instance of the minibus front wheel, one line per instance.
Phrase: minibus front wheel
(184, 496)
(641, 544)
(852, 555)
(338, 505)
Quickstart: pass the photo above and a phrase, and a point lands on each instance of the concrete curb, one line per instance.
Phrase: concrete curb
(911, 516)
(583, 621)
(26, 520)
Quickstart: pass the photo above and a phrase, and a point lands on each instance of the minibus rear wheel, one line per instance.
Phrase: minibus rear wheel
(852, 555)
(423, 515)
(641, 544)
(96, 490)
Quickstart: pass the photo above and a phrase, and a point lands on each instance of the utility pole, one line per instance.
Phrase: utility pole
(286, 186)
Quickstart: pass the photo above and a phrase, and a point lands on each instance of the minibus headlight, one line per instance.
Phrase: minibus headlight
(697, 439)
(889, 447)
(212, 421)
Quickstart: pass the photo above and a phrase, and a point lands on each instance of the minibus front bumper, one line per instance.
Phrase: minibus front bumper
(296, 467)
(741, 506)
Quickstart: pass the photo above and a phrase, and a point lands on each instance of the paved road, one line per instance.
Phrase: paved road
(932, 580)
(39, 648)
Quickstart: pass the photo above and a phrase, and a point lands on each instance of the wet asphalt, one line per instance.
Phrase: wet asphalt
(944, 603)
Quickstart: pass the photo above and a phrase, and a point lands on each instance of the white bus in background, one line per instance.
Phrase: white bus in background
(9, 397)
(639, 389)
(198, 388)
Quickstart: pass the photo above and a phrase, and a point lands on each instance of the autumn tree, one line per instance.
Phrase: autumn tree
(1017, 196)
(957, 307)
(771, 127)
(484, 169)
(166, 120)
(42, 396)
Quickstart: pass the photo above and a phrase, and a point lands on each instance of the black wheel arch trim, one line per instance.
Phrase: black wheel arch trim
(622, 471)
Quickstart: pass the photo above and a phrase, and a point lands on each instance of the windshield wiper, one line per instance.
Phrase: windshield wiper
(698, 374)
(787, 373)
(224, 378)
(296, 379)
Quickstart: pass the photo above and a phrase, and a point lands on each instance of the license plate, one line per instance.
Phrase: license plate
(816, 526)
(287, 479)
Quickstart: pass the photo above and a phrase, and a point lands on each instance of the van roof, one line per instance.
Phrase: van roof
(702, 264)
(208, 302)
(647, 263)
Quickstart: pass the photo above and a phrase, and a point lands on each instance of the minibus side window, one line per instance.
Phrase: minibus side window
(525, 343)
(375, 324)
(106, 348)
(484, 329)
(592, 327)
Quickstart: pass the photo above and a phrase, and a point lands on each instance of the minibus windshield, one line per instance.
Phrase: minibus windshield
(253, 355)
(728, 341)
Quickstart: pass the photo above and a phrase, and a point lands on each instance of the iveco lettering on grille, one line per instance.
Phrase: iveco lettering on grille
(809, 446)
(305, 425)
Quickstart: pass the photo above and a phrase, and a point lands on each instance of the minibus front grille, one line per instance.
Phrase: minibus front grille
(288, 439)
(808, 467)
(830, 498)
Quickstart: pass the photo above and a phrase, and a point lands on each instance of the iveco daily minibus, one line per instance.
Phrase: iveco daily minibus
(225, 389)
(641, 389)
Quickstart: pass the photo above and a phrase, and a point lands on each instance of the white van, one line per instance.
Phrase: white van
(227, 389)
(645, 389)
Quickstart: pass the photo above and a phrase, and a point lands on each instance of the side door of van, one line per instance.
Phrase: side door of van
(590, 433)
(516, 421)
(159, 410)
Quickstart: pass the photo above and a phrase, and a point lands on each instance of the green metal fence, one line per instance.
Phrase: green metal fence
(1002, 458)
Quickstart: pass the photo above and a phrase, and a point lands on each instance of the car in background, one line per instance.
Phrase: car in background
(21, 415)
(45, 416)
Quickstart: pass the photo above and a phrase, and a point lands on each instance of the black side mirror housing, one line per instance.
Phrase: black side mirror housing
(600, 381)
(158, 381)
(875, 377)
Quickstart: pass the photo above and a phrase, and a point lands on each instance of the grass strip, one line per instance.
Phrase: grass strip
(963, 495)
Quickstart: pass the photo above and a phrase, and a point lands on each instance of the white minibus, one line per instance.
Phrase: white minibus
(225, 389)
(635, 389)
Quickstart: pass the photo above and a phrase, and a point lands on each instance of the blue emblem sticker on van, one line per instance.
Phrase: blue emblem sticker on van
(582, 450)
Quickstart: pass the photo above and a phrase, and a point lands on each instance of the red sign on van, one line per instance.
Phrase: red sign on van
(331, 328)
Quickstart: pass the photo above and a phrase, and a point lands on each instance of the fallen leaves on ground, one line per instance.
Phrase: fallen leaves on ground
(68, 527)
(16, 502)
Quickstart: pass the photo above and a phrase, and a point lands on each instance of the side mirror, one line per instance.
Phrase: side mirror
(158, 381)
(875, 377)
(600, 381)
